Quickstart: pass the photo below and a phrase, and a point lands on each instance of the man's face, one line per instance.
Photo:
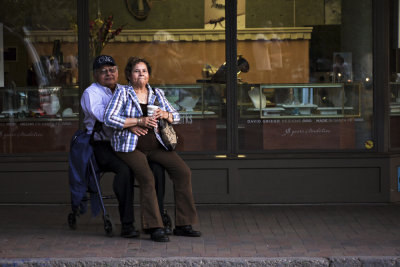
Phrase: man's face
(107, 76)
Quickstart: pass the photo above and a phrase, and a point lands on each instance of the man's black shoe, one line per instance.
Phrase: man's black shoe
(158, 235)
(186, 230)
(168, 230)
(129, 231)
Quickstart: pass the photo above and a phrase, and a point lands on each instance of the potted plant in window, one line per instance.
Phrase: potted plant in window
(101, 33)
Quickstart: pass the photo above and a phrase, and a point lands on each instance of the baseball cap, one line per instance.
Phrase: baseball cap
(103, 60)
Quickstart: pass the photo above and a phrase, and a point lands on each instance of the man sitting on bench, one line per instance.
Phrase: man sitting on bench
(94, 102)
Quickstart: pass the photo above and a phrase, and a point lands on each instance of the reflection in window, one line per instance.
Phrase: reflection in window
(39, 101)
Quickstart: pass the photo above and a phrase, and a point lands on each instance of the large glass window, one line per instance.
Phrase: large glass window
(39, 98)
(309, 83)
(394, 90)
(184, 41)
(304, 71)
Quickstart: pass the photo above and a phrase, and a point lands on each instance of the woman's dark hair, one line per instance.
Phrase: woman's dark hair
(132, 61)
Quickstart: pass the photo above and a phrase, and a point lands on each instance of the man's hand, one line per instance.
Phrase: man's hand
(138, 130)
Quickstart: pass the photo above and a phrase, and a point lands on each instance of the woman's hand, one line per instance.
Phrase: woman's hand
(163, 115)
(148, 122)
(158, 113)
(138, 130)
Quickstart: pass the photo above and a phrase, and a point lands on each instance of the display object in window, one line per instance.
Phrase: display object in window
(194, 100)
(395, 98)
(27, 103)
(299, 100)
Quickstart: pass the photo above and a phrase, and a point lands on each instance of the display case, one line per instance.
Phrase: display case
(195, 100)
(45, 103)
(394, 114)
(299, 100)
(395, 99)
(37, 120)
(201, 107)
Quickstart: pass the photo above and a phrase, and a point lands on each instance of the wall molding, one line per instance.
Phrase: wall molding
(182, 35)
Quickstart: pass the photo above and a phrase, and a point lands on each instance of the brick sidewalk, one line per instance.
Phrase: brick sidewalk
(229, 231)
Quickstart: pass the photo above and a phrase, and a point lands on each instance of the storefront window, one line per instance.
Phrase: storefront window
(394, 84)
(185, 46)
(309, 82)
(39, 98)
(304, 71)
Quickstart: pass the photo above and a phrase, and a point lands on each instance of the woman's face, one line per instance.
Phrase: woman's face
(139, 75)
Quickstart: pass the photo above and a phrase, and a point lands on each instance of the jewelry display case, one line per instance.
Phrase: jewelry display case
(299, 100)
(37, 120)
(394, 113)
(395, 99)
(200, 106)
(201, 100)
(44, 104)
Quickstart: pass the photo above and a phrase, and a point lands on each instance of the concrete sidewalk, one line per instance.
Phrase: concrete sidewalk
(233, 235)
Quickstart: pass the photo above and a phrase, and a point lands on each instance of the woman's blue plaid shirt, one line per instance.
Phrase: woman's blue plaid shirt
(125, 104)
